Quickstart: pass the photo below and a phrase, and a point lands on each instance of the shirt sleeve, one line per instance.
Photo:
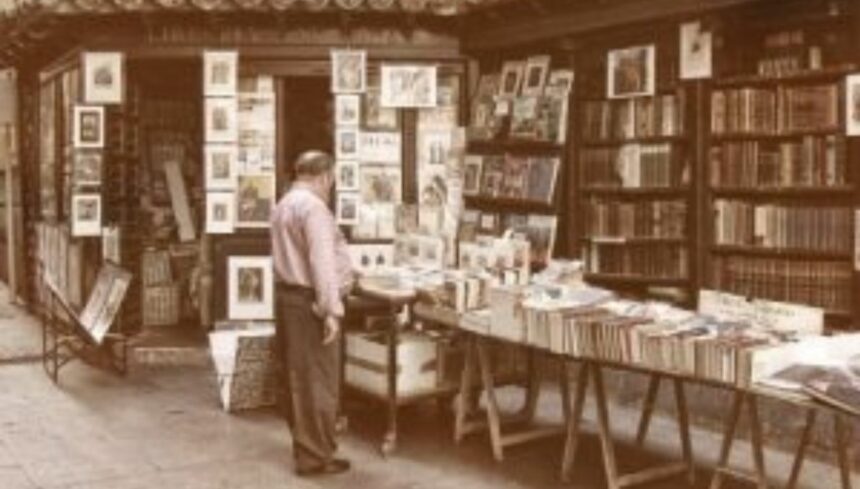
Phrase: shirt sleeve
(321, 236)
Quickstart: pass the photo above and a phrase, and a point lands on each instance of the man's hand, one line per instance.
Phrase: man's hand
(331, 324)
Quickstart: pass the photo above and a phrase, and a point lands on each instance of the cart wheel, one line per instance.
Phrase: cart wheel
(388, 445)
(341, 425)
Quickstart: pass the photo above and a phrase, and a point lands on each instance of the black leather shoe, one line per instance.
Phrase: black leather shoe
(334, 466)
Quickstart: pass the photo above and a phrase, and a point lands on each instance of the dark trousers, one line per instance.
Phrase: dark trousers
(311, 374)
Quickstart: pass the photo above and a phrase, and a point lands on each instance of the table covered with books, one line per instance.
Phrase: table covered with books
(754, 348)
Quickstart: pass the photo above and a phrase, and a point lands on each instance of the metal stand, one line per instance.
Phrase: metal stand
(64, 340)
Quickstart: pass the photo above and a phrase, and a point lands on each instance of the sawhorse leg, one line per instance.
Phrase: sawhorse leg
(574, 420)
(843, 449)
(614, 479)
(741, 399)
(389, 442)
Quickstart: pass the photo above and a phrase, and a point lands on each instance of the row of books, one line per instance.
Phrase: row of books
(813, 161)
(737, 350)
(827, 285)
(634, 166)
(511, 176)
(643, 117)
(650, 219)
(785, 110)
(787, 227)
(667, 262)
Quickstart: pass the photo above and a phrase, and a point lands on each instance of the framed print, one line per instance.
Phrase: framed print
(250, 292)
(88, 126)
(696, 51)
(347, 208)
(347, 110)
(348, 71)
(347, 175)
(852, 100)
(87, 167)
(86, 215)
(512, 78)
(408, 86)
(374, 116)
(347, 143)
(631, 72)
(220, 163)
(559, 84)
(220, 73)
(220, 212)
(434, 147)
(220, 119)
(104, 78)
(537, 68)
(380, 146)
(472, 165)
(380, 184)
(371, 257)
(255, 198)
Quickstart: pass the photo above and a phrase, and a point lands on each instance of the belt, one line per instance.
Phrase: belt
(301, 290)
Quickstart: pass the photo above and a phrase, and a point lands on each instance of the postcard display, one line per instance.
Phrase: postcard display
(369, 151)
(517, 136)
(239, 179)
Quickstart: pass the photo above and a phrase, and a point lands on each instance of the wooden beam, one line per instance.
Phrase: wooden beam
(580, 20)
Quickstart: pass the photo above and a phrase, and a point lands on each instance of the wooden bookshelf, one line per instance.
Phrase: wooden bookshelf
(805, 121)
(480, 202)
(636, 168)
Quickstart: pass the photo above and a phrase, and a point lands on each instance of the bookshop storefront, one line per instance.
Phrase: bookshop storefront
(160, 146)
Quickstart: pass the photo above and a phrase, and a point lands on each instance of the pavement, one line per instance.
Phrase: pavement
(163, 428)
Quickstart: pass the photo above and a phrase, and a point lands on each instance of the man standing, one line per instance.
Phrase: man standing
(313, 274)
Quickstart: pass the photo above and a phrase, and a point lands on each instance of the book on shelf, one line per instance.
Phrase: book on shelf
(650, 219)
(542, 177)
(635, 118)
(813, 161)
(819, 283)
(634, 166)
(742, 223)
(783, 110)
(670, 261)
(493, 176)
(515, 181)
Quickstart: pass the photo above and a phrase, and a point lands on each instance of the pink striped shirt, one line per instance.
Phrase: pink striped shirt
(308, 248)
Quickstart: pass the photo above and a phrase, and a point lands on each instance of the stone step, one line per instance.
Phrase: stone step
(169, 346)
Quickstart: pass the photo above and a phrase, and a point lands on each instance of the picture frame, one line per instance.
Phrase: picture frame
(472, 166)
(250, 292)
(104, 77)
(220, 118)
(535, 75)
(512, 78)
(87, 168)
(220, 166)
(380, 146)
(559, 83)
(86, 215)
(88, 126)
(852, 104)
(348, 71)
(374, 116)
(696, 51)
(631, 71)
(220, 212)
(255, 199)
(347, 176)
(408, 86)
(347, 208)
(220, 73)
(347, 143)
(380, 184)
(347, 110)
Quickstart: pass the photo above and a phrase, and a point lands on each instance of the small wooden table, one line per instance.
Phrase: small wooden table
(395, 299)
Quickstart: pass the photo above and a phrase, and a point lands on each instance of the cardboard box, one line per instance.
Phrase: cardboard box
(367, 363)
